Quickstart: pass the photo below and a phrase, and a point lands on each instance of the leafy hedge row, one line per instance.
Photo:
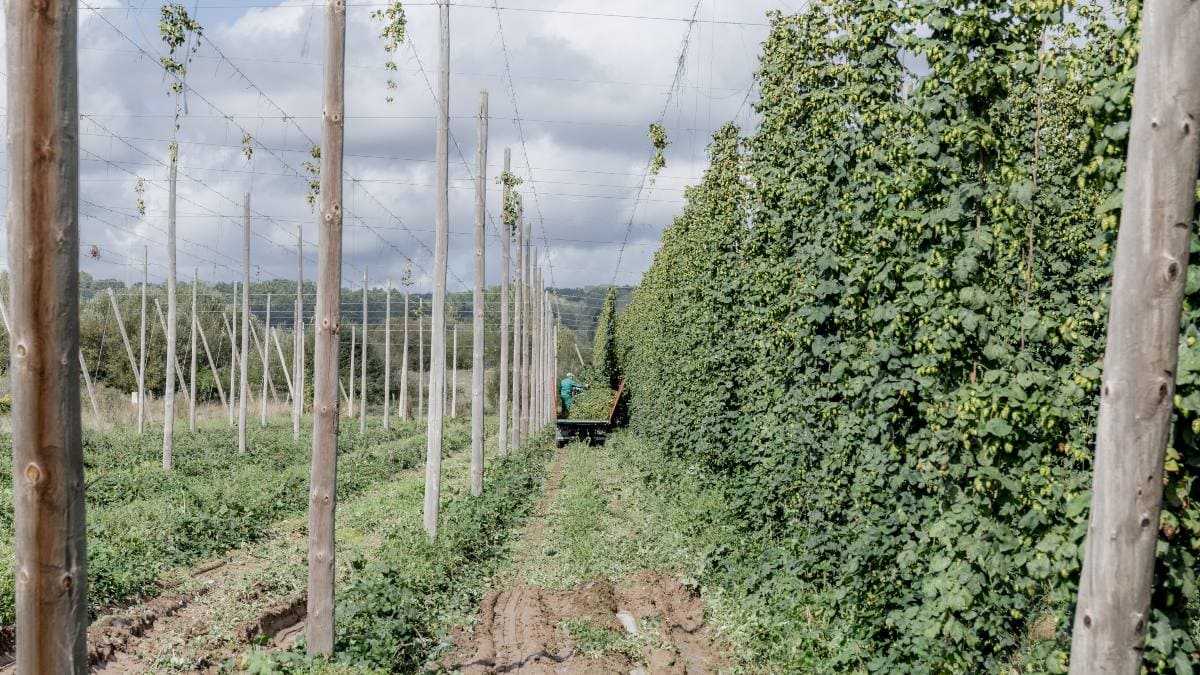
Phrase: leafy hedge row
(143, 521)
(880, 320)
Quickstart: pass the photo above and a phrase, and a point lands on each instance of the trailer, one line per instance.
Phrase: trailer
(592, 432)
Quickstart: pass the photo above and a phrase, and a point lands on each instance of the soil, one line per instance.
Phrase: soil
(520, 629)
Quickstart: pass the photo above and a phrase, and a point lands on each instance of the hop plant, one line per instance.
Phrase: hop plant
(313, 167)
(658, 139)
(393, 33)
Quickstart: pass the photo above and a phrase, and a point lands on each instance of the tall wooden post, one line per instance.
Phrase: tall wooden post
(192, 381)
(162, 324)
(322, 505)
(362, 372)
(454, 376)
(421, 360)
(404, 365)
(437, 365)
(265, 356)
(535, 412)
(353, 348)
(518, 321)
(172, 322)
(244, 359)
(505, 271)
(526, 334)
(141, 370)
(43, 257)
(387, 356)
(1138, 384)
(477, 304)
(283, 365)
(233, 360)
(212, 364)
(298, 339)
(133, 364)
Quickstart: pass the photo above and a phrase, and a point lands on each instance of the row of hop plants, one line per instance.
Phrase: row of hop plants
(879, 324)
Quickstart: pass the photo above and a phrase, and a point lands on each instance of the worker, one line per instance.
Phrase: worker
(566, 389)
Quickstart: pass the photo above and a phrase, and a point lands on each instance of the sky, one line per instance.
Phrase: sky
(584, 79)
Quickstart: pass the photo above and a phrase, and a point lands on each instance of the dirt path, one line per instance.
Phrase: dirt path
(647, 622)
(250, 597)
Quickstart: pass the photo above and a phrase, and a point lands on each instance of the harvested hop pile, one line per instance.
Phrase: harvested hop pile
(593, 404)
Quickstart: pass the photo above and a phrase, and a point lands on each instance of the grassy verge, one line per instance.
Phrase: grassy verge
(628, 507)
(395, 608)
(143, 521)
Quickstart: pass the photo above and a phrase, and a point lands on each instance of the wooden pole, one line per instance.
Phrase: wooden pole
(578, 355)
(477, 384)
(535, 350)
(298, 339)
(454, 376)
(212, 364)
(505, 271)
(421, 362)
(283, 365)
(353, 339)
(362, 372)
(519, 297)
(141, 369)
(192, 380)
(322, 504)
(133, 364)
(43, 257)
(244, 359)
(1138, 384)
(404, 365)
(87, 380)
(162, 323)
(172, 322)
(231, 328)
(387, 356)
(526, 334)
(437, 365)
(265, 357)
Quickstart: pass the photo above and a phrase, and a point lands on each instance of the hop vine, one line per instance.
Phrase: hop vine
(393, 33)
(658, 139)
(248, 147)
(512, 200)
(313, 167)
(139, 189)
(175, 26)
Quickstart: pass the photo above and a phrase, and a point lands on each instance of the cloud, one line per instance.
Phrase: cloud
(586, 86)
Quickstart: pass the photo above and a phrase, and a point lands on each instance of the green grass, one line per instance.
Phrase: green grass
(143, 521)
(396, 606)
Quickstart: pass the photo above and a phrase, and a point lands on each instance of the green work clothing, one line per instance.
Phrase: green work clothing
(566, 389)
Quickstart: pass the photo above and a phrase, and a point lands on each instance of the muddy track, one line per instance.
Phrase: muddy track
(524, 630)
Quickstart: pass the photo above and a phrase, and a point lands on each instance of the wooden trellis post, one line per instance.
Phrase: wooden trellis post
(133, 364)
(353, 338)
(323, 484)
(1138, 384)
(387, 356)
(362, 372)
(505, 272)
(192, 380)
(519, 297)
(172, 321)
(141, 369)
(231, 328)
(437, 361)
(244, 380)
(421, 361)
(162, 324)
(298, 339)
(404, 365)
(477, 304)
(274, 333)
(43, 257)
(264, 355)
(212, 364)
(454, 376)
